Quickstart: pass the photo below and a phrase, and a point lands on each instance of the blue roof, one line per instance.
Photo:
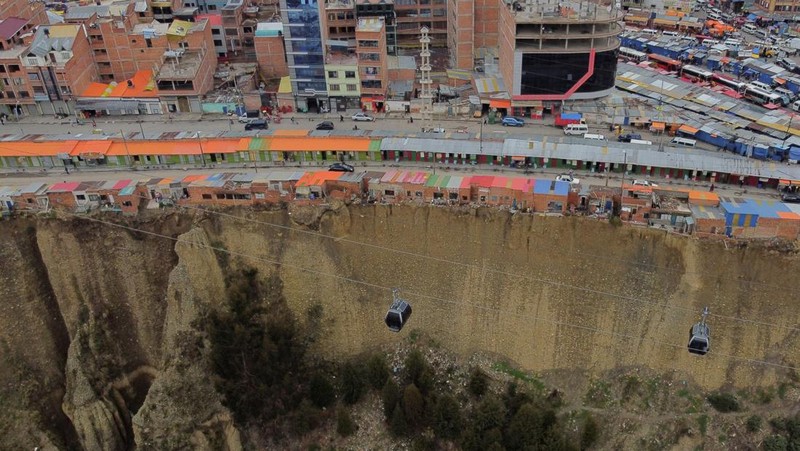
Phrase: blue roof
(763, 208)
(570, 115)
(551, 187)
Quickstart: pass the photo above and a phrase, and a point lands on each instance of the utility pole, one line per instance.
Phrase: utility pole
(141, 128)
(200, 143)
(127, 151)
(622, 188)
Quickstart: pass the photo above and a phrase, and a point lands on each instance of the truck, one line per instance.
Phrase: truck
(565, 119)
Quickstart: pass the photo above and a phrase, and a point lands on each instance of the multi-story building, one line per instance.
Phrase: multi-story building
(270, 52)
(385, 9)
(59, 66)
(553, 52)
(784, 7)
(339, 21)
(471, 27)
(373, 69)
(342, 79)
(304, 51)
(32, 12)
(217, 34)
(232, 16)
(415, 14)
(16, 95)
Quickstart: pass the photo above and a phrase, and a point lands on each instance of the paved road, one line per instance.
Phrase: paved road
(155, 126)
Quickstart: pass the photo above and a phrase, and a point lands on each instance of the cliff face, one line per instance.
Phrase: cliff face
(96, 321)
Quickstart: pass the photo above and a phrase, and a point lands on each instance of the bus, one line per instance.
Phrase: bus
(761, 97)
(696, 73)
(728, 82)
(664, 63)
(629, 54)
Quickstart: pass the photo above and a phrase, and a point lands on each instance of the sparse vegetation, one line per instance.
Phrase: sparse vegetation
(754, 423)
(345, 426)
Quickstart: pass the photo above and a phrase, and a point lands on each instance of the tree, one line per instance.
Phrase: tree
(413, 405)
(345, 426)
(447, 421)
(321, 390)
(398, 426)
(478, 382)
(390, 396)
(590, 433)
(353, 382)
(419, 372)
(377, 371)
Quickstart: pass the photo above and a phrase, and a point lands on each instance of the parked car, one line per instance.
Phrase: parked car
(791, 198)
(787, 64)
(363, 117)
(325, 125)
(341, 167)
(567, 178)
(258, 124)
(644, 183)
(511, 121)
(626, 138)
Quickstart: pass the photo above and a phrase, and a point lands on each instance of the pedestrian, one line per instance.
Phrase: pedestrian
(341, 118)
(94, 124)
(741, 183)
(712, 187)
(411, 119)
(485, 120)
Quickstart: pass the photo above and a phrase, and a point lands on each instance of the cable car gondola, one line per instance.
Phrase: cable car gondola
(700, 336)
(398, 313)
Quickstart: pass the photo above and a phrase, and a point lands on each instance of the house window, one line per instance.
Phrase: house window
(94, 197)
(149, 42)
(259, 195)
(80, 197)
(207, 196)
(349, 74)
(127, 203)
(333, 74)
(453, 196)
(33, 76)
(218, 42)
(388, 192)
(352, 87)
(334, 87)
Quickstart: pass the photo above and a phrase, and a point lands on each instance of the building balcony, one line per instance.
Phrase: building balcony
(568, 45)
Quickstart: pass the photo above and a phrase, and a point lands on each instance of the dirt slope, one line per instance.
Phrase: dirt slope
(101, 315)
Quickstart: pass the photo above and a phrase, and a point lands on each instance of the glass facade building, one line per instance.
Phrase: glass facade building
(305, 52)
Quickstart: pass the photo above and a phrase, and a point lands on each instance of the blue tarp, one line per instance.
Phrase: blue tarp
(752, 17)
(572, 116)
(794, 153)
(759, 153)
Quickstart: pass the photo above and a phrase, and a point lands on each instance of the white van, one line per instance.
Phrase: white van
(594, 136)
(796, 105)
(642, 142)
(650, 31)
(714, 16)
(760, 85)
(669, 33)
(750, 28)
(576, 129)
(684, 142)
(710, 42)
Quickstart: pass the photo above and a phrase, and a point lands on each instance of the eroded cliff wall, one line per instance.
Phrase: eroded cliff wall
(96, 320)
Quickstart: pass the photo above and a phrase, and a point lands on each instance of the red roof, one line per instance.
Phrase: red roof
(64, 187)
(215, 20)
(9, 27)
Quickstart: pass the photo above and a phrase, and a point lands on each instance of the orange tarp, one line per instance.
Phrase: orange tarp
(499, 103)
(34, 149)
(153, 148)
(96, 147)
(703, 195)
(318, 178)
(788, 215)
(222, 146)
(319, 144)
(687, 129)
(142, 85)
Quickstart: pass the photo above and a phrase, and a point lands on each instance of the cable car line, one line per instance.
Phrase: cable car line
(496, 271)
(422, 295)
